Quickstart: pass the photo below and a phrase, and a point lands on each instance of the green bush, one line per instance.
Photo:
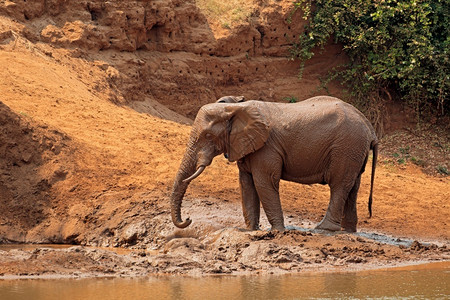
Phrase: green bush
(290, 99)
(443, 170)
(397, 49)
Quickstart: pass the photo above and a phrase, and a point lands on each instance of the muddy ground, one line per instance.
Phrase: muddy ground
(214, 245)
(94, 119)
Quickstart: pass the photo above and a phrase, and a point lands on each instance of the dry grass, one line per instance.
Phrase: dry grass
(427, 147)
(227, 14)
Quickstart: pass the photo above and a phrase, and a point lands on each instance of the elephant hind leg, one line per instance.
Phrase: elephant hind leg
(333, 217)
(350, 219)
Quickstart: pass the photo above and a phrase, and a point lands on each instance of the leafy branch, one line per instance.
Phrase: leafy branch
(400, 46)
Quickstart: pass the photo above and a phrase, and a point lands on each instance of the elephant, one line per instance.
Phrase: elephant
(320, 140)
(231, 99)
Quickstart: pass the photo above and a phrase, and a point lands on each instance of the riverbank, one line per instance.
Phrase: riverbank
(220, 248)
(94, 121)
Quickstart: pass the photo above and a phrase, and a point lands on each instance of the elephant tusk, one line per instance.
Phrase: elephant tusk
(196, 174)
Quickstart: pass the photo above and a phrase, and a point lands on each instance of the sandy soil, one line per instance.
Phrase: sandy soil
(81, 165)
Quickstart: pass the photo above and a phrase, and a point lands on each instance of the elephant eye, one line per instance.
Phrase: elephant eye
(209, 136)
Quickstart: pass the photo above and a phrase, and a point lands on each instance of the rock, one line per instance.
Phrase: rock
(182, 244)
(217, 268)
(182, 51)
(131, 233)
(6, 36)
(77, 34)
(250, 254)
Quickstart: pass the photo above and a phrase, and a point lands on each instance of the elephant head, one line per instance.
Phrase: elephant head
(231, 99)
(235, 129)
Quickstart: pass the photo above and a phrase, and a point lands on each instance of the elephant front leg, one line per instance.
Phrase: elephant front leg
(270, 200)
(250, 200)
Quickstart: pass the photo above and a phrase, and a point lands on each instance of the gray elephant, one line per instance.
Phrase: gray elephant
(231, 99)
(320, 140)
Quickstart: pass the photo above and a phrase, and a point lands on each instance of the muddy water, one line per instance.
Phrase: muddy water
(416, 282)
(31, 247)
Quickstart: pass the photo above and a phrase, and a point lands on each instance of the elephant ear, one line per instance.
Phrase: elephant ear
(249, 131)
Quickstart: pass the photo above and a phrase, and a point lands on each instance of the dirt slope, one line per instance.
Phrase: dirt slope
(93, 130)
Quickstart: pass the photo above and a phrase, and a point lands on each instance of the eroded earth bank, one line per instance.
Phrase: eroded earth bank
(96, 99)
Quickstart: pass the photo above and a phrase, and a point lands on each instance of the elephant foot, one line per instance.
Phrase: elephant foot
(350, 230)
(348, 227)
(279, 228)
(326, 224)
(253, 228)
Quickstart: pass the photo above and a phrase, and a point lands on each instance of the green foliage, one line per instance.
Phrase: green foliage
(418, 162)
(443, 170)
(400, 46)
(291, 99)
(403, 156)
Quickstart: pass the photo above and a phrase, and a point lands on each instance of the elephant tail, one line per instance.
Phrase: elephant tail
(374, 148)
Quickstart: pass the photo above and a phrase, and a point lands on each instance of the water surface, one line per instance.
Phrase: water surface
(416, 282)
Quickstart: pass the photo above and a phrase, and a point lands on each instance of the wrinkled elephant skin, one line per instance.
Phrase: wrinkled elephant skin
(320, 140)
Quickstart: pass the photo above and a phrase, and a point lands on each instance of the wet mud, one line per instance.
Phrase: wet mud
(213, 246)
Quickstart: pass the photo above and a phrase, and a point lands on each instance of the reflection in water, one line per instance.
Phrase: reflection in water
(31, 247)
(402, 283)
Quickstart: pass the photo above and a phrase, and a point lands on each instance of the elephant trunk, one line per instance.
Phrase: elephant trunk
(176, 199)
(186, 173)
